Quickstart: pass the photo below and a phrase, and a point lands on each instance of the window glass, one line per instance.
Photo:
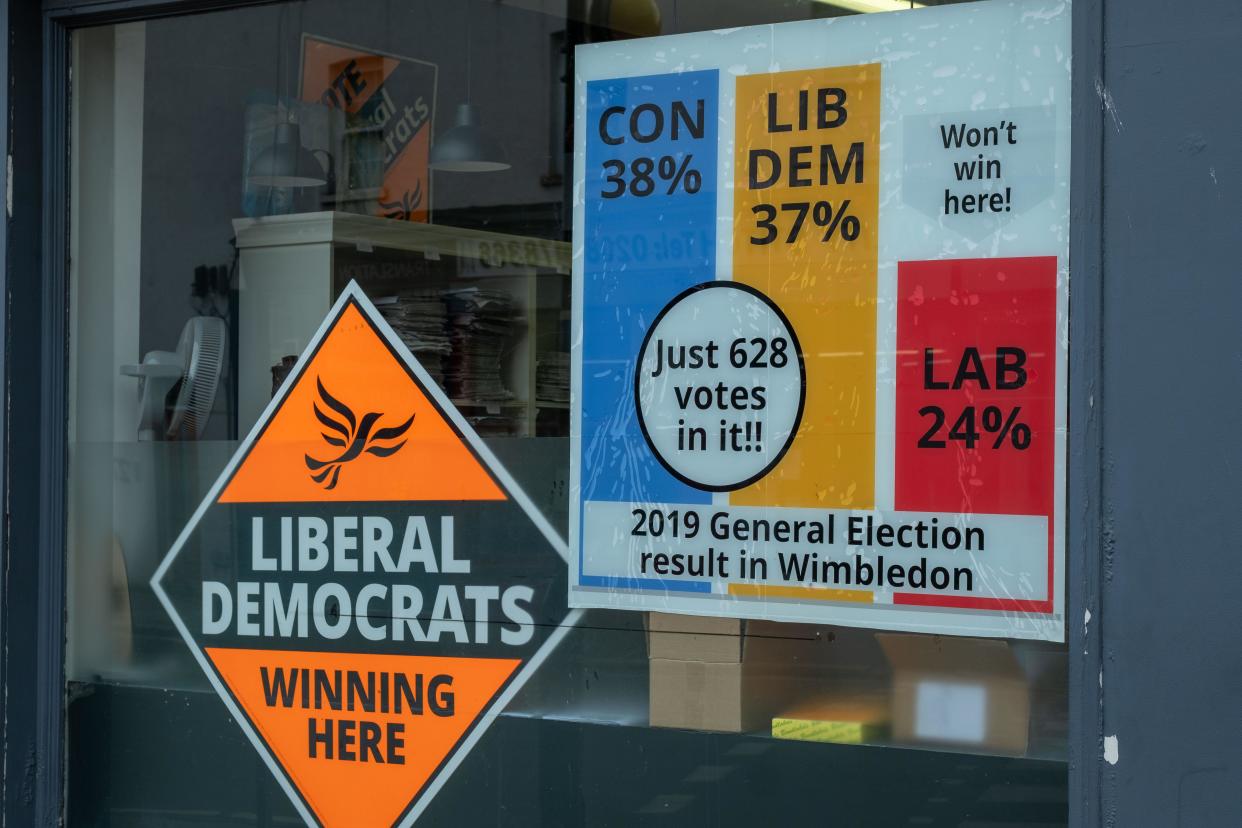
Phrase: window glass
(233, 174)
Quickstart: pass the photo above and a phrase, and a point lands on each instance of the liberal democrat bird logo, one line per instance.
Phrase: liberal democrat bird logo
(403, 208)
(352, 435)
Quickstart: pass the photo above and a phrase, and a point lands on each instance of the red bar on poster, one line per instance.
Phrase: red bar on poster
(976, 386)
(976, 397)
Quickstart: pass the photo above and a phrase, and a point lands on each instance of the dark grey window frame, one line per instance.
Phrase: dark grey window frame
(34, 336)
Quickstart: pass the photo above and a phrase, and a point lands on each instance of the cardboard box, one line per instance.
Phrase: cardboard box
(694, 638)
(849, 721)
(698, 695)
(957, 692)
(726, 674)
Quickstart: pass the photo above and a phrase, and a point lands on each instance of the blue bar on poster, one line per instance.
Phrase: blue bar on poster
(650, 233)
(644, 584)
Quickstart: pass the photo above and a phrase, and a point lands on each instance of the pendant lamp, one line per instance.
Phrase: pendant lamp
(286, 163)
(466, 147)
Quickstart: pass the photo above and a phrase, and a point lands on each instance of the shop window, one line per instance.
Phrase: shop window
(234, 173)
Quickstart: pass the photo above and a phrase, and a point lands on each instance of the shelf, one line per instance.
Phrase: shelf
(635, 716)
(497, 249)
(464, 403)
(558, 772)
(625, 713)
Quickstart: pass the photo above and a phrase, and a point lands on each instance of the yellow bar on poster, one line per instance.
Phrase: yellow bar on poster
(805, 233)
(852, 596)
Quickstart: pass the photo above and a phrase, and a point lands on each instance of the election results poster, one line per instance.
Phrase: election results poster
(821, 284)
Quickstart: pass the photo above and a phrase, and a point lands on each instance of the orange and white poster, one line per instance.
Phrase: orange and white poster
(389, 106)
(365, 585)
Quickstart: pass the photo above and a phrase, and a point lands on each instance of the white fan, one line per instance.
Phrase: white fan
(179, 387)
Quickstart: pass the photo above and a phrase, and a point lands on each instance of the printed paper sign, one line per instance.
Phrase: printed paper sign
(821, 294)
(358, 583)
(388, 103)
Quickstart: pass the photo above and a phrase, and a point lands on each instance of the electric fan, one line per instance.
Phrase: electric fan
(178, 388)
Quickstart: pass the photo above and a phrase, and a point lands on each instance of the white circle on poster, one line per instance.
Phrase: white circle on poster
(720, 386)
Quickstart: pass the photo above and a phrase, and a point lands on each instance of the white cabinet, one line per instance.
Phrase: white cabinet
(291, 268)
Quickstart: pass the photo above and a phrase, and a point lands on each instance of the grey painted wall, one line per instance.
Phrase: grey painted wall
(1171, 397)
(201, 70)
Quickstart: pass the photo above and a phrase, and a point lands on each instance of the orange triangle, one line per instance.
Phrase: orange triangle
(352, 401)
(346, 789)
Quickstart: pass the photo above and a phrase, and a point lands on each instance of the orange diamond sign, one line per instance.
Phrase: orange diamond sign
(365, 585)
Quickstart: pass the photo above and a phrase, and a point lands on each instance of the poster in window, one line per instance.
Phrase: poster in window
(389, 106)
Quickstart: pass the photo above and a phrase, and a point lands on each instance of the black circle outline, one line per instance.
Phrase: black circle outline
(638, 364)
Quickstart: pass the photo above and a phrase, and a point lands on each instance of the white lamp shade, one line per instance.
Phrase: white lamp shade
(466, 147)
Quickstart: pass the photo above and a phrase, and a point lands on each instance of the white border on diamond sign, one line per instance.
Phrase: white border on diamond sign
(451, 762)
